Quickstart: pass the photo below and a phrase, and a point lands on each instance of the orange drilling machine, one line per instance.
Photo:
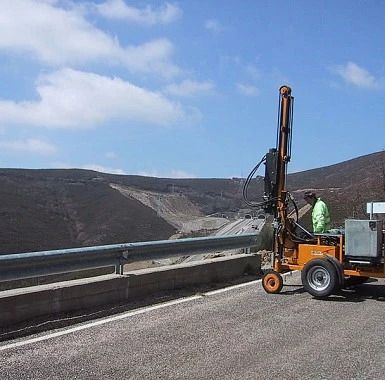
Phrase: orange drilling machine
(327, 261)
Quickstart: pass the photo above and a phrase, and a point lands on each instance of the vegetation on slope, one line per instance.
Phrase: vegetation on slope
(57, 208)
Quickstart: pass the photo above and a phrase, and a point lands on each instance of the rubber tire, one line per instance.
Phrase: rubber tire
(272, 282)
(319, 278)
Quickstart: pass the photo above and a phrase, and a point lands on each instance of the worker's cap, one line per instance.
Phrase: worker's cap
(309, 194)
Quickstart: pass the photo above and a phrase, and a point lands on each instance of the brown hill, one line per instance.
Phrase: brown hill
(53, 209)
(346, 187)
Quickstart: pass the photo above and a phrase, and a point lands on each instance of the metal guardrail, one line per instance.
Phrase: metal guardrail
(34, 264)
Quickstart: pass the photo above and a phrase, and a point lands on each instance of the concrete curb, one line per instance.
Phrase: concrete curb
(19, 305)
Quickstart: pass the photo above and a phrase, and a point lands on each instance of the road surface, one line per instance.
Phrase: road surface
(237, 227)
(242, 333)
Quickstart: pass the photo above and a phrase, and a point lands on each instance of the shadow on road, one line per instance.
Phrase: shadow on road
(370, 290)
(359, 293)
(292, 289)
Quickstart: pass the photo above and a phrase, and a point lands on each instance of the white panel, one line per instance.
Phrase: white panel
(378, 208)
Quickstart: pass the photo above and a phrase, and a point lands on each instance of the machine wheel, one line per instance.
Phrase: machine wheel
(319, 278)
(272, 282)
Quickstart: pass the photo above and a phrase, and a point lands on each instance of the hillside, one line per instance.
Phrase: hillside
(44, 210)
(346, 187)
(57, 208)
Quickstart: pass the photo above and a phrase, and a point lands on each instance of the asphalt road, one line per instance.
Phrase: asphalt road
(243, 333)
(237, 227)
(240, 226)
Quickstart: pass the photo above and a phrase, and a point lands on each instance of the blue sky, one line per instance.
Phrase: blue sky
(188, 88)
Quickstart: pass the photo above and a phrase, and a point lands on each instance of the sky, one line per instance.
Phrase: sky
(188, 89)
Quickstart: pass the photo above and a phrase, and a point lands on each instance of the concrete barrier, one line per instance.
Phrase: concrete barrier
(20, 305)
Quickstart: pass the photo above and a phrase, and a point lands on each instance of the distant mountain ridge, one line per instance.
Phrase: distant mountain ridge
(45, 209)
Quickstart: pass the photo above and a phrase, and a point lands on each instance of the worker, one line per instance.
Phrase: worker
(320, 213)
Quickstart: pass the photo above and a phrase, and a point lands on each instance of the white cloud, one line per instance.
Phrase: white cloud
(358, 76)
(29, 146)
(190, 88)
(233, 60)
(78, 100)
(253, 71)
(247, 90)
(110, 155)
(95, 167)
(118, 9)
(213, 25)
(62, 37)
(173, 173)
(153, 57)
(103, 169)
(278, 77)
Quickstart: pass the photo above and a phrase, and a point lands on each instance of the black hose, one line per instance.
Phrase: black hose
(247, 183)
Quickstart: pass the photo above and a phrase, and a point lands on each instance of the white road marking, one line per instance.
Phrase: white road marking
(122, 316)
(218, 291)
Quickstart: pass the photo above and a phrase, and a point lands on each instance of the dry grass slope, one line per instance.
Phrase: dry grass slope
(53, 209)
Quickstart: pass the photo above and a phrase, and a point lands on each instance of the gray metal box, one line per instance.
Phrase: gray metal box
(363, 238)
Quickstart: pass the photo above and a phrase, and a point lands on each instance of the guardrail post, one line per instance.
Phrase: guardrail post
(123, 259)
(119, 269)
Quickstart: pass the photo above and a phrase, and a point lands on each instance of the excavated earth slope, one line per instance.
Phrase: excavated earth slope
(176, 209)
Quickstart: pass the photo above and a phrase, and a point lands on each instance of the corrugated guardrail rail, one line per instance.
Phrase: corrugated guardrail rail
(34, 264)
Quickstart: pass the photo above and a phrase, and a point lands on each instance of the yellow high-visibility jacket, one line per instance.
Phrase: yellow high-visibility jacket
(320, 217)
